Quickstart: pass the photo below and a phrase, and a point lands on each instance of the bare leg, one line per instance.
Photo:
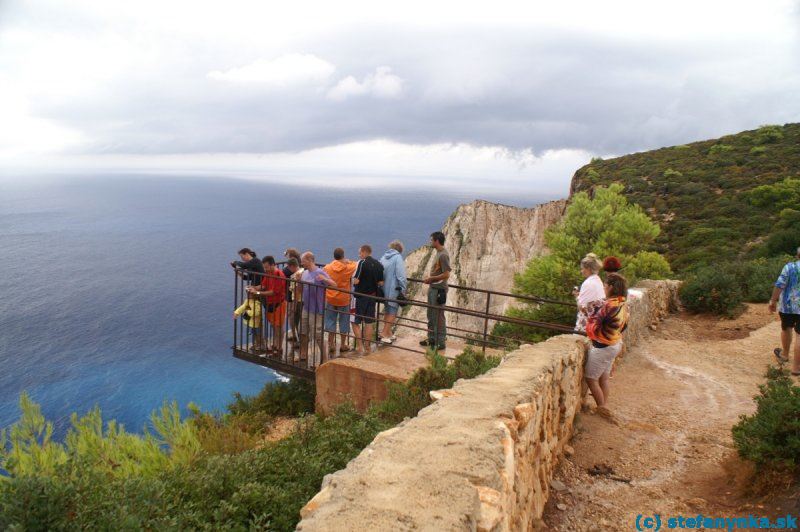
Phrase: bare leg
(369, 334)
(786, 342)
(344, 342)
(388, 321)
(796, 362)
(278, 338)
(603, 381)
(304, 346)
(597, 392)
(357, 332)
(332, 343)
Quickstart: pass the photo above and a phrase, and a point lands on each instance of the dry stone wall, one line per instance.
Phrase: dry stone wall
(481, 457)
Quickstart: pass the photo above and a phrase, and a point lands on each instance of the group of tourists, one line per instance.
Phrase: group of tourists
(603, 316)
(335, 298)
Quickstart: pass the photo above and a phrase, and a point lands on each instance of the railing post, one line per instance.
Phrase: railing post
(486, 321)
(235, 306)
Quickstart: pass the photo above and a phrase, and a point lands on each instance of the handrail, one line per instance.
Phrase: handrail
(294, 356)
(414, 302)
(534, 299)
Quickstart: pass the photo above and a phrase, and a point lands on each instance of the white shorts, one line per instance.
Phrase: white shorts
(599, 360)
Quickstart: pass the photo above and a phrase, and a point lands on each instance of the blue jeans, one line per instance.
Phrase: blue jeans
(337, 315)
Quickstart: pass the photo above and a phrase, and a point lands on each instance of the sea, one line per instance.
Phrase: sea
(116, 291)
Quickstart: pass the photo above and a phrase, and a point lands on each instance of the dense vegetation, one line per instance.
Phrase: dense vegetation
(770, 437)
(605, 224)
(729, 210)
(717, 200)
(205, 472)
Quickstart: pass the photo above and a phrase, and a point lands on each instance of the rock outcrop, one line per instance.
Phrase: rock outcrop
(488, 243)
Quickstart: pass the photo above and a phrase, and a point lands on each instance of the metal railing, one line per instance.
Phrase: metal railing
(290, 336)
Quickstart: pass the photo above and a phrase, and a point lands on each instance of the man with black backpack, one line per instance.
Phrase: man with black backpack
(366, 280)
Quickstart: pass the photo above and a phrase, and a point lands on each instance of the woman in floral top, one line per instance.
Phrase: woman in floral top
(604, 329)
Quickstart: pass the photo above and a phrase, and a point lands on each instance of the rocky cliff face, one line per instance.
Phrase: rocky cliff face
(488, 243)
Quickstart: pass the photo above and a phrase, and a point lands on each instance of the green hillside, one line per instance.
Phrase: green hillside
(716, 200)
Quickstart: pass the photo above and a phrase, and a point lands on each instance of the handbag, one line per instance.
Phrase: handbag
(402, 300)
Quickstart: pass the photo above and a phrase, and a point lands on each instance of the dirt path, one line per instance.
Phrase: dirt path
(676, 396)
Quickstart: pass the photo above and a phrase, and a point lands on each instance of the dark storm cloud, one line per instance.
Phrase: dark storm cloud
(515, 89)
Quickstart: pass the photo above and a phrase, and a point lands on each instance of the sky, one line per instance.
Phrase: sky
(485, 95)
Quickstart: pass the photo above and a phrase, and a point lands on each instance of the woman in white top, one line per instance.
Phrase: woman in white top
(591, 295)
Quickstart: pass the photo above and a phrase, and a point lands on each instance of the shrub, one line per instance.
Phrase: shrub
(757, 277)
(257, 489)
(718, 149)
(669, 172)
(277, 398)
(768, 135)
(712, 290)
(406, 399)
(605, 224)
(770, 437)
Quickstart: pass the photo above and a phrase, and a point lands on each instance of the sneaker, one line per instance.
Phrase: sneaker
(393, 337)
(387, 341)
(426, 343)
(778, 352)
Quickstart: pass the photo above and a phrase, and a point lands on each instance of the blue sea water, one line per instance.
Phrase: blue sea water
(117, 291)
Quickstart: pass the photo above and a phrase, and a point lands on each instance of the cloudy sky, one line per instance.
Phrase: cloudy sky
(487, 94)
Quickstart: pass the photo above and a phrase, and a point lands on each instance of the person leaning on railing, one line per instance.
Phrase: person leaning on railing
(437, 294)
(591, 294)
(314, 281)
(604, 329)
(337, 303)
(248, 265)
(293, 306)
(272, 292)
(394, 283)
(366, 280)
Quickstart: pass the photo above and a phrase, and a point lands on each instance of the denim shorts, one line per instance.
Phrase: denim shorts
(340, 315)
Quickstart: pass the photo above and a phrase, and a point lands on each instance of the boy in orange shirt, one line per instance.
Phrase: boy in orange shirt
(337, 304)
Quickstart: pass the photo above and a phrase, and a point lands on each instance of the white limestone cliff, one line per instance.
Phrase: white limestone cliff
(488, 243)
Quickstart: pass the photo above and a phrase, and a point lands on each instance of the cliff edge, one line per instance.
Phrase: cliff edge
(488, 243)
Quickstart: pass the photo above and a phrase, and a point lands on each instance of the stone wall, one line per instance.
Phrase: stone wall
(481, 457)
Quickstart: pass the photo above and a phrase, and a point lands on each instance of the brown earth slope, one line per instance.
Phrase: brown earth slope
(676, 397)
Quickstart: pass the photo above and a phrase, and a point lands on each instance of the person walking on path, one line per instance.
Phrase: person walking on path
(591, 294)
(437, 294)
(337, 303)
(273, 293)
(314, 281)
(394, 283)
(248, 266)
(787, 291)
(604, 328)
(366, 280)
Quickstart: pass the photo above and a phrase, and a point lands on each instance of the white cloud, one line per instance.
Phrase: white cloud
(284, 71)
(380, 84)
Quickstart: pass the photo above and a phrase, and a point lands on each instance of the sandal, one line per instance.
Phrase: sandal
(345, 349)
(778, 352)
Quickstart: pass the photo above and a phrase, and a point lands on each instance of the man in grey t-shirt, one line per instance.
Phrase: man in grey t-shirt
(437, 294)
